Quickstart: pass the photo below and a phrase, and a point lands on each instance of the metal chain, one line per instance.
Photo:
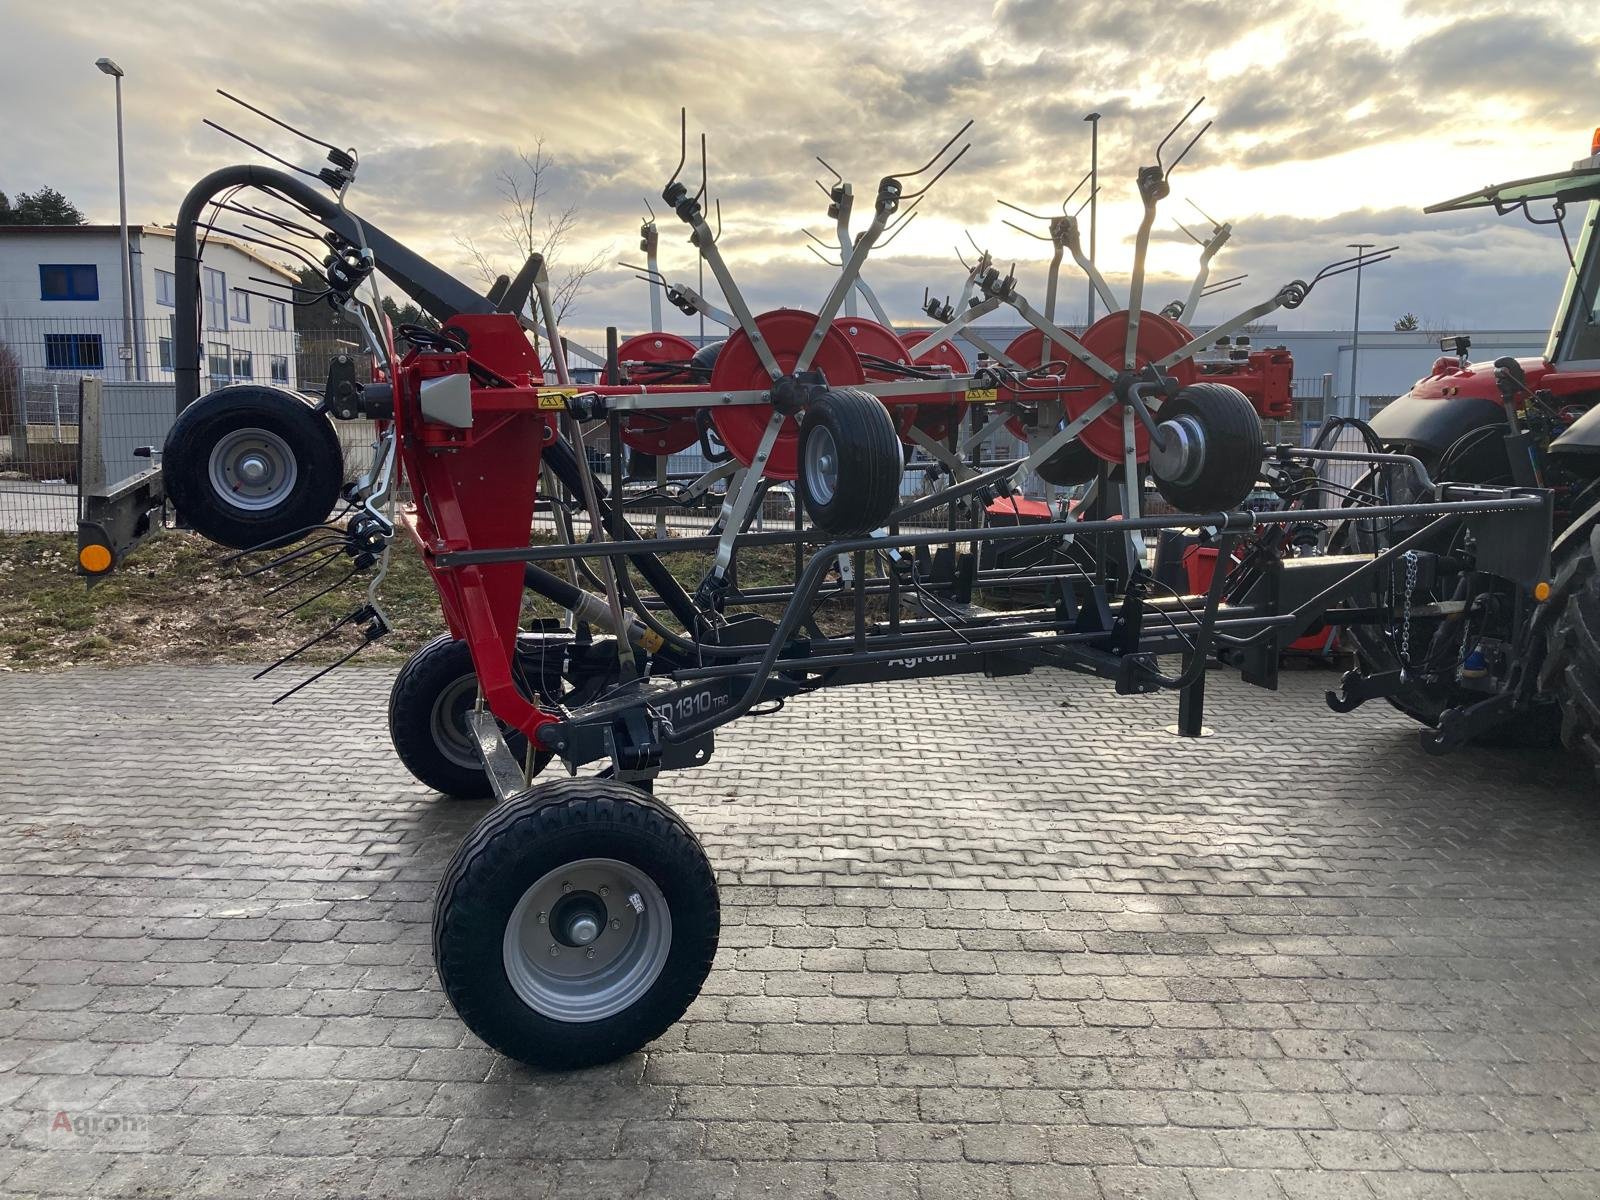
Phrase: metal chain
(1410, 557)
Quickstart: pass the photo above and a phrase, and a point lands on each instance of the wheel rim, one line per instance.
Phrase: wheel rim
(253, 469)
(587, 940)
(822, 465)
(448, 722)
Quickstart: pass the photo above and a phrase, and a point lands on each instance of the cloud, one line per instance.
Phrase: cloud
(1314, 108)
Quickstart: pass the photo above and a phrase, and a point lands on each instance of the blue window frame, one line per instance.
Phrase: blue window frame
(74, 352)
(69, 281)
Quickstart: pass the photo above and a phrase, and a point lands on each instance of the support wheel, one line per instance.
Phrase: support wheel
(432, 697)
(850, 462)
(576, 923)
(252, 467)
(1209, 455)
(1074, 463)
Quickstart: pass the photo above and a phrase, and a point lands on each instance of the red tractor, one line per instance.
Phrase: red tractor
(1491, 667)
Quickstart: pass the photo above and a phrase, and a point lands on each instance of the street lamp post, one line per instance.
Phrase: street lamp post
(129, 353)
(1355, 339)
(1094, 197)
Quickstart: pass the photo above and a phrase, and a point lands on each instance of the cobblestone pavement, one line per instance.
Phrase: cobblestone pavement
(987, 939)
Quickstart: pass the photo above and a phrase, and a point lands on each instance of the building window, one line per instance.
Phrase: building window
(219, 362)
(279, 364)
(165, 291)
(69, 281)
(73, 351)
(241, 306)
(243, 365)
(164, 353)
(277, 314)
(216, 299)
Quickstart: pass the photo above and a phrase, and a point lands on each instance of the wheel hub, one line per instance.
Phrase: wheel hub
(587, 939)
(253, 469)
(1179, 454)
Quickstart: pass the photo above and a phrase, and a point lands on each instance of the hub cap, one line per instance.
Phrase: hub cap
(587, 940)
(1180, 452)
(822, 464)
(253, 469)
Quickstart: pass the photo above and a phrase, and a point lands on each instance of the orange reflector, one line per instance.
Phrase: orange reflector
(1541, 592)
(1594, 143)
(94, 558)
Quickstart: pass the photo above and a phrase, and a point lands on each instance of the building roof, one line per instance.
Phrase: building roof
(152, 230)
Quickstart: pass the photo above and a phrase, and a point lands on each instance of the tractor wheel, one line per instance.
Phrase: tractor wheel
(433, 695)
(576, 923)
(850, 462)
(1210, 455)
(252, 467)
(1571, 668)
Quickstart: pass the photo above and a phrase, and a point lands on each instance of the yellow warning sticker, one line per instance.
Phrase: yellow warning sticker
(982, 395)
(555, 399)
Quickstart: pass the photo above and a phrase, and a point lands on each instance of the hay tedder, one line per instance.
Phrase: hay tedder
(578, 921)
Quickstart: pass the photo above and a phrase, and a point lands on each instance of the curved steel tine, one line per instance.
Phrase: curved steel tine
(643, 271)
(1196, 240)
(925, 166)
(1036, 236)
(1224, 285)
(1174, 164)
(683, 145)
(1092, 194)
(896, 230)
(1020, 209)
(1162, 144)
(265, 240)
(292, 249)
(831, 171)
(261, 150)
(261, 214)
(973, 240)
(819, 241)
(281, 124)
(1087, 175)
(315, 296)
(717, 237)
(923, 191)
(962, 259)
(649, 209)
(906, 214)
(1215, 223)
(822, 256)
(1350, 264)
(701, 194)
(1231, 280)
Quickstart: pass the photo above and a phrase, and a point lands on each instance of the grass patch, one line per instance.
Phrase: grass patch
(175, 600)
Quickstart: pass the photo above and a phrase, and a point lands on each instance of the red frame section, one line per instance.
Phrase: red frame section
(475, 489)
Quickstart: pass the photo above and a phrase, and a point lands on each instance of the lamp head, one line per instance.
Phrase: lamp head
(109, 67)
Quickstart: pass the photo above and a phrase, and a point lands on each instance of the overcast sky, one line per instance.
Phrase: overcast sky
(1331, 126)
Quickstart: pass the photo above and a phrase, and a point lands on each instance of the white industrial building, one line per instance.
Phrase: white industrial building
(61, 308)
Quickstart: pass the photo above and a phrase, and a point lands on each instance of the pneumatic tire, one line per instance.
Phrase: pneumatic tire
(252, 467)
(432, 696)
(576, 923)
(1571, 668)
(850, 462)
(1222, 433)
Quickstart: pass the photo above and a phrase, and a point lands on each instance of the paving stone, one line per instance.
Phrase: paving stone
(988, 946)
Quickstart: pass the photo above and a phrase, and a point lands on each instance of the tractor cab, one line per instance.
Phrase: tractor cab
(1575, 333)
(1558, 390)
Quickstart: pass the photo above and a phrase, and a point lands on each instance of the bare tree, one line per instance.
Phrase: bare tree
(529, 226)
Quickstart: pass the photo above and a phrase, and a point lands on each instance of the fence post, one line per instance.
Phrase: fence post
(91, 452)
(1327, 395)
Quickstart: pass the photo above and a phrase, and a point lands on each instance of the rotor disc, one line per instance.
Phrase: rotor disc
(738, 368)
(934, 419)
(659, 431)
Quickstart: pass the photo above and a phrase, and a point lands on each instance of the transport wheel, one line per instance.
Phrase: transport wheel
(850, 462)
(433, 695)
(1210, 455)
(576, 923)
(1571, 668)
(252, 466)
